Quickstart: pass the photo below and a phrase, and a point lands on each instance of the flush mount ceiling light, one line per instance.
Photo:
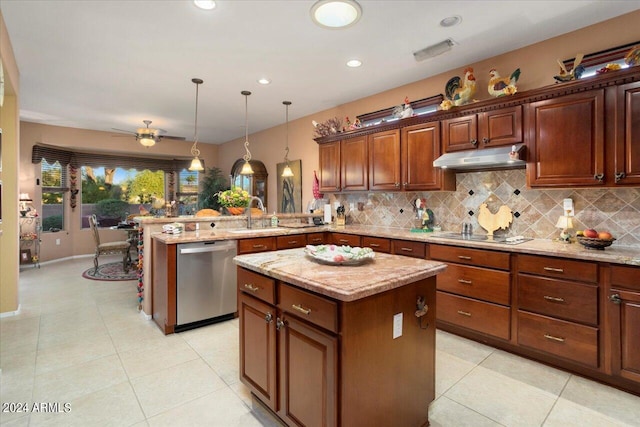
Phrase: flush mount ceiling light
(205, 4)
(354, 63)
(287, 172)
(264, 81)
(450, 21)
(434, 50)
(336, 13)
(196, 164)
(246, 168)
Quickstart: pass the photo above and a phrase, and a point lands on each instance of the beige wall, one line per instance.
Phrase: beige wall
(9, 122)
(73, 240)
(537, 62)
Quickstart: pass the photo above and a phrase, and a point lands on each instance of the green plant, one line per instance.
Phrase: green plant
(236, 197)
(213, 183)
(112, 208)
(52, 222)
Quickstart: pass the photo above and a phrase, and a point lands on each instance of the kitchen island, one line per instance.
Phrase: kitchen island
(335, 344)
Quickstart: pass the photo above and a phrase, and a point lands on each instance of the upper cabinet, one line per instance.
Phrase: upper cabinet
(485, 129)
(343, 165)
(420, 146)
(626, 170)
(565, 139)
(329, 164)
(384, 160)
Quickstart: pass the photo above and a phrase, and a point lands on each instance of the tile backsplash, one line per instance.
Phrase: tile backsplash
(535, 212)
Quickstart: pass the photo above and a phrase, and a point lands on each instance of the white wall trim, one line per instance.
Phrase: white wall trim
(11, 313)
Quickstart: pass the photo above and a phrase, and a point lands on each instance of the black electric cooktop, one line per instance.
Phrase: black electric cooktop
(484, 238)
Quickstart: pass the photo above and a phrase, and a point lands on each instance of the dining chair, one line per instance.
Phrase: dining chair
(110, 248)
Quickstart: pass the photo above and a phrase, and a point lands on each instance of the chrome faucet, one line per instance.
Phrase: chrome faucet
(260, 206)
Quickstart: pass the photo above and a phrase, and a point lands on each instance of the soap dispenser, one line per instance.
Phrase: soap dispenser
(274, 219)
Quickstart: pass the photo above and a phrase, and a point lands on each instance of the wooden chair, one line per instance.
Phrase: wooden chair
(111, 248)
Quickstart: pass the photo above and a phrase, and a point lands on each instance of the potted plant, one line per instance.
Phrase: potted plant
(212, 183)
(234, 200)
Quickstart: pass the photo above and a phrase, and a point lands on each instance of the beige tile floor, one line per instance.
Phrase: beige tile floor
(84, 343)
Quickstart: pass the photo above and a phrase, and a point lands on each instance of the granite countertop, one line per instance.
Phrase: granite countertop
(342, 282)
(616, 254)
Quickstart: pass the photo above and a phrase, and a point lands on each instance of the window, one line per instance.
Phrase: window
(112, 194)
(53, 195)
(187, 194)
(420, 107)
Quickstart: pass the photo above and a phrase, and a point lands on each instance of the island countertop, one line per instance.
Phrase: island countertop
(341, 282)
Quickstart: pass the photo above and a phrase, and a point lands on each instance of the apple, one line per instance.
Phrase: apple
(590, 232)
(605, 235)
(338, 258)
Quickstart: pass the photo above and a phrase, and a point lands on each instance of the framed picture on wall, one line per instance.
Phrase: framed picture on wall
(25, 256)
(290, 188)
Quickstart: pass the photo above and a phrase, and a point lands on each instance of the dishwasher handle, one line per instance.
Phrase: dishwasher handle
(210, 247)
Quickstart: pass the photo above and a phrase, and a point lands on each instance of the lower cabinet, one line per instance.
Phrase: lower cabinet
(315, 361)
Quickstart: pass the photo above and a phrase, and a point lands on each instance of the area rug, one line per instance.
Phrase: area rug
(111, 271)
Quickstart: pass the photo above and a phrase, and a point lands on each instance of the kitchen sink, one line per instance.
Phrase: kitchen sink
(253, 230)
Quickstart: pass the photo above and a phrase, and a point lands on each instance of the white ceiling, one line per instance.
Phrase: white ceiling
(111, 64)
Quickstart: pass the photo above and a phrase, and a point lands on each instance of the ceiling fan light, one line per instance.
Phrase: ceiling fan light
(196, 165)
(246, 169)
(287, 172)
(147, 142)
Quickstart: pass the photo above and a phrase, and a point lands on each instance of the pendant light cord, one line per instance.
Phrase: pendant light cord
(247, 156)
(286, 150)
(194, 150)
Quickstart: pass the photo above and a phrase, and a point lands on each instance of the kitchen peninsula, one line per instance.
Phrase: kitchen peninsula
(336, 344)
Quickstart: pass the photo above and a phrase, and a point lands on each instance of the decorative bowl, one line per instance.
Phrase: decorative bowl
(235, 210)
(594, 242)
(339, 255)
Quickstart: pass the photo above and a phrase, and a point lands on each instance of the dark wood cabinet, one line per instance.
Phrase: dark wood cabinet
(353, 164)
(409, 248)
(565, 139)
(329, 165)
(317, 238)
(345, 239)
(419, 147)
(626, 170)
(378, 244)
(256, 244)
(486, 129)
(384, 160)
(291, 241)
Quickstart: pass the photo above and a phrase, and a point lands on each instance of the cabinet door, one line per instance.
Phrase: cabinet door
(566, 141)
(500, 127)
(420, 146)
(627, 137)
(460, 133)
(308, 375)
(353, 158)
(258, 348)
(384, 161)
(329, 163)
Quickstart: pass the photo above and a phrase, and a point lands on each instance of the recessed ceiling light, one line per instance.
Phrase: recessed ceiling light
(205, 4)
(450, 21)
(354, 63)
(264, 81)
(336, 13)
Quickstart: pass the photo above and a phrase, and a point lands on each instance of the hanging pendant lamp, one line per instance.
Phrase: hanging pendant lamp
(246, 168)
(287, 172)
(196, 164)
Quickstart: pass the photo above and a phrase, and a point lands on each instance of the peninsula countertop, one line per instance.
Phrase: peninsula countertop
(341, 282)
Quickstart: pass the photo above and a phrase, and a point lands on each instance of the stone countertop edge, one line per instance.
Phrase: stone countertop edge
(341, 282)
(148, 219)
(615, 254)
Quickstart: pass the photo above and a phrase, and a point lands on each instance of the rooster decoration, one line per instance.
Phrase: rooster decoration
(493, 221)
(574, 74)
(403, 111)
(459, 91)
(500, 86)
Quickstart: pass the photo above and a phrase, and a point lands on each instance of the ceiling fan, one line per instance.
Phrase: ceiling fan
(148, 136)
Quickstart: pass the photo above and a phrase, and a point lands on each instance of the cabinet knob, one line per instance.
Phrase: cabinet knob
(474, 142)
(599, 177)
(615, 298)
(396, 184)
(268, 318)
(485, 140)
(620, 176)
(279, 324)
(337, 187)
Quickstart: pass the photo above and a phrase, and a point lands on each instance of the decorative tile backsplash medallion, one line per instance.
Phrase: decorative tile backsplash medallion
(535, 212)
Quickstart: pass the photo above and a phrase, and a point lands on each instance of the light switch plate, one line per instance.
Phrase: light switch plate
(567, 206)
(397, 325)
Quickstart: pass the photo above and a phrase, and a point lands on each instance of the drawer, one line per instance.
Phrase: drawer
(316, 238)
(310, 307)
(257, 285)
(558, 298)
(477, 257)
(475, 282)
(293, 241)
(564, 339)
(409, 248)
(378, 244)
(345, 239)
(561, 268)
(625, 277)
(484, 317)
(259, 244)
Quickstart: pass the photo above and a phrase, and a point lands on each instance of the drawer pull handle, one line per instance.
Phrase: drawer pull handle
(464, 257)
(343, 241)
(258, 246)
(251, 287)
(301, 309)
(551, 337)
(553, 299)
(317, 239)
(464, 313)
(464, 281)
(374, 245)
(555, 270)
(406, 249)
(292, 242)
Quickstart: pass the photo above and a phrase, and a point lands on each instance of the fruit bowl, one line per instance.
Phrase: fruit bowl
(594, 242)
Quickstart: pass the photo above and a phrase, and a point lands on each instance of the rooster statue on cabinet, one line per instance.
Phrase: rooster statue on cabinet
(500, 86)
(459, 91)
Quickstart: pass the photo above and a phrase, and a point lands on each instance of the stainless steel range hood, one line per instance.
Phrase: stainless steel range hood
(485, 158)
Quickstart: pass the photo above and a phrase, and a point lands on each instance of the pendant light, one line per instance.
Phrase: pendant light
(246, 168)
(287, 172)
(196, 164)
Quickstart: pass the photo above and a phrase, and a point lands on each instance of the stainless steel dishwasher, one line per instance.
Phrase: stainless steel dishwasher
(206, 283)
